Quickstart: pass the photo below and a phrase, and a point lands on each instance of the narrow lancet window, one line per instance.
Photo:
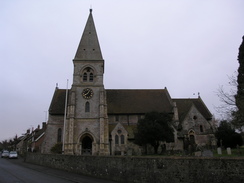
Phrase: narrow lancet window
(85, 76)
(59, 139)
(87, 107)
(116, 139)
(91, 77)
(122, 138)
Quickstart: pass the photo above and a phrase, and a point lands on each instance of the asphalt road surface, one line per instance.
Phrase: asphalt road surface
(17, 171)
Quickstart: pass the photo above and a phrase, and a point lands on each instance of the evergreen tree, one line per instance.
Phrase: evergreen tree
(227, 136)
(153, 129)
(239, 98)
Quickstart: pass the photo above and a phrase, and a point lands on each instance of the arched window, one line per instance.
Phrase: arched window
(192, 139)
(116, 139)
(59, 139)
(85, 76)
(88, 74)
(122, 138)
(91, 77)
(87, 107)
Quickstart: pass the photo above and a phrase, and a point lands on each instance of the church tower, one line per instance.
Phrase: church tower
(86, 126)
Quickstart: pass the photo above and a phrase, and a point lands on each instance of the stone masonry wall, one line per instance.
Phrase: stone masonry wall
(148, 169)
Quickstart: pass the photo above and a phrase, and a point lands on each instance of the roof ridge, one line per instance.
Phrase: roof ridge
(138, 89)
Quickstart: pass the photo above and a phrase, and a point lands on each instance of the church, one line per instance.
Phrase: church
(91, 120)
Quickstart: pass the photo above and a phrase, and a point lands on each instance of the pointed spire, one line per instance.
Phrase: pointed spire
(89, 48)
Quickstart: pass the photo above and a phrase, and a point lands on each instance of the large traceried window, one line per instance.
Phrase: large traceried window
(88, 74)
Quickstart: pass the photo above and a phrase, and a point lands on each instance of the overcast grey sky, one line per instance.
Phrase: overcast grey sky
(188, 46)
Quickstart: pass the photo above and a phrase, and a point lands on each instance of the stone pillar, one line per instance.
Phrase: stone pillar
(69, 145)
(104, 144)
(68, 148)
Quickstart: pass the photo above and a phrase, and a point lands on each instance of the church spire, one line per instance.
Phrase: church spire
(89, 48)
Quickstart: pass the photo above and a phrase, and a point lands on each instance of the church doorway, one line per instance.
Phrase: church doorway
(192, 137)
(86, 145)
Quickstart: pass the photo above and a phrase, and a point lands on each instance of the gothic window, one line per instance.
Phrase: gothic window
(116, 117)
(88, 74)
(85, 76)
(59, 139)
(91, 77)
(116, 139)
(192, 139)
(122, 138)
(201, 128)
(87, 107)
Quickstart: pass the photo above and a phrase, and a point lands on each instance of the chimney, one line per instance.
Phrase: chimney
(44, 125)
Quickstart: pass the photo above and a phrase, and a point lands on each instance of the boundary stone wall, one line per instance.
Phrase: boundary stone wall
(147, 169)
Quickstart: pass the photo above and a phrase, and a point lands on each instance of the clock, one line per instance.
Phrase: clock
(87, 93)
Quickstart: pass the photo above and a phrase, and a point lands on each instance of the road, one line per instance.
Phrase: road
(17, 171)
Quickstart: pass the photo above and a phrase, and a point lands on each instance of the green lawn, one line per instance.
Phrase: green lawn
(234, 152)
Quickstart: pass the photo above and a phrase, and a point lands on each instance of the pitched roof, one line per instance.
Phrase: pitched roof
(89, 48)
(123, 101)
(138, 101)
(58, 102)
(184, 105)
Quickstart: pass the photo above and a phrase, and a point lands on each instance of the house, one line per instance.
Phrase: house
(31, 141)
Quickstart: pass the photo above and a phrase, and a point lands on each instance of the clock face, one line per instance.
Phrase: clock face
(87, 93)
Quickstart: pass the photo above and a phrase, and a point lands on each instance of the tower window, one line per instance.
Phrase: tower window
(88, 74)
(87, 107)
(91, 77)
(85, 76)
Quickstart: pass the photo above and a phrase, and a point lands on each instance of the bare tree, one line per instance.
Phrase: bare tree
(227, 98)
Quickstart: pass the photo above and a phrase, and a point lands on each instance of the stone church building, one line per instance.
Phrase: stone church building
(102, 122)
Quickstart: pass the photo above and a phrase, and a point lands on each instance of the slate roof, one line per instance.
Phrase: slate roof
(89, 48)
(184, 105)
(123, 101)
(138, 101)
(58, 102)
